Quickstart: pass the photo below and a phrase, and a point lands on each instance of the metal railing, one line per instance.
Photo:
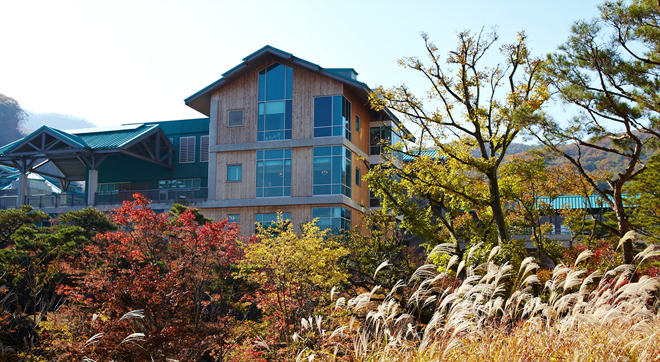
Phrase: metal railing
(184, 196)
(56, 200)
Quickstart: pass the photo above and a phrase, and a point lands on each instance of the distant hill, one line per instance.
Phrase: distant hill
(55, 120)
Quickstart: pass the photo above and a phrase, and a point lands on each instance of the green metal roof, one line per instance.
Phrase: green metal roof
(432, 153)
(113, 137)
(575, 202)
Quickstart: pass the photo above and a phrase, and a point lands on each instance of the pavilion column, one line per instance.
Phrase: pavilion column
(92, 181)
(22, 189)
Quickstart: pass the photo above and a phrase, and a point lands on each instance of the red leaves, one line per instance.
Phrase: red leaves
(168, 266)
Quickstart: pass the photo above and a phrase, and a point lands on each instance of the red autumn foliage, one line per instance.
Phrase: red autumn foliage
(176, 272)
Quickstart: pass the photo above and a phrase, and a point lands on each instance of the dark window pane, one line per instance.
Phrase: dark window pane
(262, 85)
(322, 190)
(289, 82)
(287, 115)
(336, 110)
(275, 82)
(322, 111)
(323, 132)
(322, 151)
(322, 170)
(235, 118)
(273, 154)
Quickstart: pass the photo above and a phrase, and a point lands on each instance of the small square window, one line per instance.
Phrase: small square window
(357, 123)
(235, 118)
(234, 173)
(232, 218)
(357, 176)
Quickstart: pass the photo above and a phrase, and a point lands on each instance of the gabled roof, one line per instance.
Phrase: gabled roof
(74, 151)
(113, 137)
(201, 101)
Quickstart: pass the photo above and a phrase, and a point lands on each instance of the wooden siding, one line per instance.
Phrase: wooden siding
(302, 175)
(246, 188)
(359, 194)
(300, 214)
(360, 106)
(242, 93)
(306, 86)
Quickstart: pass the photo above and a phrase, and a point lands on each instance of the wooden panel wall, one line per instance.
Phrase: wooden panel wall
(245, 189)
(302, 175)
(299, 214)
(359, 194)
(242, 94)
(360, 106)
(306, 86)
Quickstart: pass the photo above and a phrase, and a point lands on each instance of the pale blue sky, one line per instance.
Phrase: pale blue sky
(121, 61)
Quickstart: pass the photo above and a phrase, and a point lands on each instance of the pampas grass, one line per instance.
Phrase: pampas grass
(496, 315)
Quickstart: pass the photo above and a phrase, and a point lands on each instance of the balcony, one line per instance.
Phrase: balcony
(185, 196)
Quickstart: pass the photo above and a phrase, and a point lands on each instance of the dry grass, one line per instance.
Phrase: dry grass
(496, 315)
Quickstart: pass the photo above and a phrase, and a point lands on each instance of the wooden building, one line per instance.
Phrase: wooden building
(289, 136)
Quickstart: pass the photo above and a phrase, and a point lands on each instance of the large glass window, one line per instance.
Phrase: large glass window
(274, 173)
(275, 93)
(332, 117)
(267, 220)
(335, 218)
(332, 171)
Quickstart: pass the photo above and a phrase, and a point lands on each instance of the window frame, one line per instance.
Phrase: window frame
(338, 158)
(202, 145)
(358, 177)
(229, 117)
(262, 156)
(190, 149)
(240, 172)
(338, 103)
(263, 102)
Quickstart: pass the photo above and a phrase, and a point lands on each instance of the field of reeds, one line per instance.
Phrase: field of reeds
(495, 313)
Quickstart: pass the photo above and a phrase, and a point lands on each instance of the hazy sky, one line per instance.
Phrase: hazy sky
(115, 62)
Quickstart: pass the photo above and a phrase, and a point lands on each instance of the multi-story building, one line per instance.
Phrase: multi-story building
(289, 136)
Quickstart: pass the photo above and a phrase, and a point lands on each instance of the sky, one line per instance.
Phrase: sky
(120, 61)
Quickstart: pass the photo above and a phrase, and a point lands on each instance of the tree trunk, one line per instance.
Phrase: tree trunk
(624, 227)
(496, 206)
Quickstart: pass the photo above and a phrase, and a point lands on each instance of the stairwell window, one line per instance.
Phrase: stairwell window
(187, 149)
(275, 103)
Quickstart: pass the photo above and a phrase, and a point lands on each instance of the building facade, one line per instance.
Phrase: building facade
(288, 136)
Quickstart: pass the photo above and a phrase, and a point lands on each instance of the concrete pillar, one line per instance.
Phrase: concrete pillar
(22, 189)
(92, 181)
(213, 140)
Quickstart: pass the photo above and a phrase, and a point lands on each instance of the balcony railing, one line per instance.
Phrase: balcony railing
(186, 196)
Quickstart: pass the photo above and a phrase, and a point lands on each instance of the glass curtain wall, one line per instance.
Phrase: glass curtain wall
(274, 173)
(332, 171)
(275, 94)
